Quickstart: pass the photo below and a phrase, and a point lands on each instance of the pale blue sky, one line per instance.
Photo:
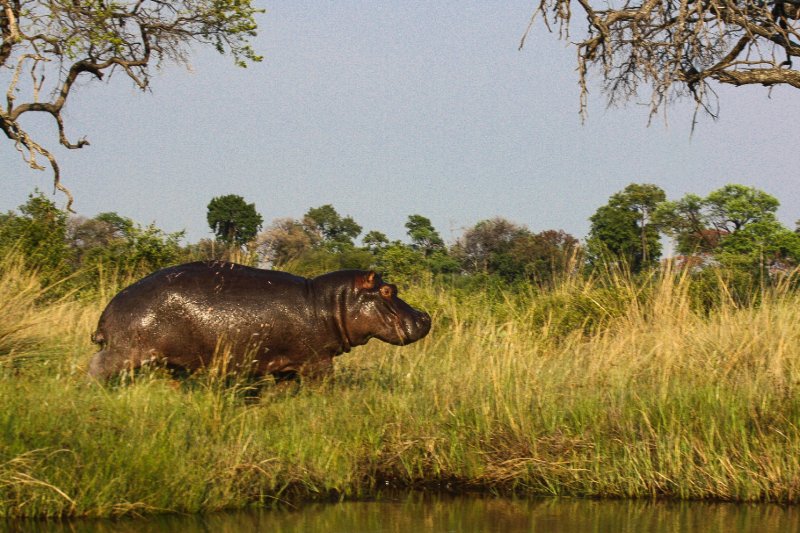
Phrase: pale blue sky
(390, 109)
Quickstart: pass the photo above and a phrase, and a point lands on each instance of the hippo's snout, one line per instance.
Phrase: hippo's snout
(424, 323)
(418, 327)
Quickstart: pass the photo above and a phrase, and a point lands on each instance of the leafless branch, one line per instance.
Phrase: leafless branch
(675, 48)
(57, 42)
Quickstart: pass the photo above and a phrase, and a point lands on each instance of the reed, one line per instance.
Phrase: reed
(606, 387)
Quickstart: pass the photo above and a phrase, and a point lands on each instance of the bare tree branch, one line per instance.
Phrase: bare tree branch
(675, 48)
(57, 41)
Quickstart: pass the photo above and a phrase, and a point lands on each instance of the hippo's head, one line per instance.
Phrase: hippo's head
(375, 310)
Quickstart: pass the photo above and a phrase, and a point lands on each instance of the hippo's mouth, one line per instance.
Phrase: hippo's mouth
(413, 330)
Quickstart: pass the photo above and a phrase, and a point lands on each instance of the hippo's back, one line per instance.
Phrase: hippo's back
(188, 295)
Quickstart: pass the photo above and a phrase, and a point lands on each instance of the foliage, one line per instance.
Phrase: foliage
(316, 261)
(762, 245)
(424, 236)
(685, 221)
(482, 247)
(321, 241)
(375, 241)
(737, 224)
(675, 50)
(233, 221)
(117, 242)
(734, 227)
(329, 229)
(733, 207)
(38, 232)
(401, 263)
(624, 230)
(731, 285)
(46, 47)
(512, 252)
(77, 251)
(427, 242)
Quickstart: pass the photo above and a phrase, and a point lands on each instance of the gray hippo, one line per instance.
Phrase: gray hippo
(269, 322)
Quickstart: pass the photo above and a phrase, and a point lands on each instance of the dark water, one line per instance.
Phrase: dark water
(416, 512)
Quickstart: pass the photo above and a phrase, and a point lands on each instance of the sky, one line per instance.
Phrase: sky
(387, 109)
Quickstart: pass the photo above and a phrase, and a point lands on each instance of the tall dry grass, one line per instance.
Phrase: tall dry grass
(607, 387)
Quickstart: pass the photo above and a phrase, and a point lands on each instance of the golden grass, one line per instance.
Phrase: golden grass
(606, 387)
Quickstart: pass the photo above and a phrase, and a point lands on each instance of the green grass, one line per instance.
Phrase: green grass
(599, 388)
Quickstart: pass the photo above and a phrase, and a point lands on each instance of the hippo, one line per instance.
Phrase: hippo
(267, 321)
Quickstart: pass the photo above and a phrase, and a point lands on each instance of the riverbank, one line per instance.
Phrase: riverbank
(603, 388)
(458, 513)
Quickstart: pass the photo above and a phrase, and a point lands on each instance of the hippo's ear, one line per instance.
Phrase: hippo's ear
(366, 281)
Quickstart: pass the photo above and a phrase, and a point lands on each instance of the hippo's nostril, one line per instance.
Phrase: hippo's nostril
(424, 322)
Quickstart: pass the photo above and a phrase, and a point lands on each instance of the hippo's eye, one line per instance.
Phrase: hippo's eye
(386, 291)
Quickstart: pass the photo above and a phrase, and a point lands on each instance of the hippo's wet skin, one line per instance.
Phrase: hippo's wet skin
(269, 322)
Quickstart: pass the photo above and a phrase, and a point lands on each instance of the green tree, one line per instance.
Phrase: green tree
(150, 248)
(486, 246)
(233, 221)
(426, 240)
(624, 229)
(284, 241)
(761, 245)
(736, 223)
(375, 241)
(321, 242)
(46, 47)
(39, 233)
(424, 236)
(330, 229)
(401, 263)
(733, 207)
(686, 222)
(442, 262)
(547, 255)
(116, 242)
(512, 252)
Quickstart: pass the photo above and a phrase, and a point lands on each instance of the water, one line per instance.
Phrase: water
(416, 512)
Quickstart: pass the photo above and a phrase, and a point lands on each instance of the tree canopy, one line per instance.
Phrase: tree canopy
(735, 223)
(424, 236)
(48, 45)
(39, 232)
(732, 233)
(624, 227)
(512, 252)
(674, 49)
(74, 251)
(233, 220)
(330, 229)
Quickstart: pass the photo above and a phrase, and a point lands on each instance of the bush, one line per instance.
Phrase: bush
(38, 233)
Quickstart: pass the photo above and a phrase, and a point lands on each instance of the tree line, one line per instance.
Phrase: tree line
(735, 227)
(323, 240)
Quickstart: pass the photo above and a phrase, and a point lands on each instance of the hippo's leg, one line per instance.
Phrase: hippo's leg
(317, 371)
